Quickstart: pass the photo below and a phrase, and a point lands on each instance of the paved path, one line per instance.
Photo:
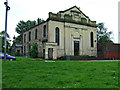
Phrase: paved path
(100, 60)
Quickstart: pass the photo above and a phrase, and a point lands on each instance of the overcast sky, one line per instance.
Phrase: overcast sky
(97, 10)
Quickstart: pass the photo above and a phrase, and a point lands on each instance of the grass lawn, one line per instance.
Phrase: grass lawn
(59, 74)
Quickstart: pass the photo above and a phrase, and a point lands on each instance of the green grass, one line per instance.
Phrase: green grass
(59, 74)
(28, 59)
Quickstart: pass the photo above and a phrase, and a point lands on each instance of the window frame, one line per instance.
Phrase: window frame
(44, 31)
(24, 38)
(57, 36)
(24, 50)
(29, 36)
(36, 33)
(92, 39)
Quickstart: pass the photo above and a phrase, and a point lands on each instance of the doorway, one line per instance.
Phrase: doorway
(76, 48)
(18, 52)
(50, 53)
(43, 53)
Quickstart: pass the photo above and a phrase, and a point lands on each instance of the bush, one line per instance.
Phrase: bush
(82, 57)
(33, 51)
(16, 53)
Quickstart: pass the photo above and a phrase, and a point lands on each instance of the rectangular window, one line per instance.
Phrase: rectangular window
(29, 36)
(92, 40)
(44, 31)
(24, 38)
(35, 34)
(24, 50)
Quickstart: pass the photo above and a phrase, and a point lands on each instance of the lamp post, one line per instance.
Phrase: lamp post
(7, 8)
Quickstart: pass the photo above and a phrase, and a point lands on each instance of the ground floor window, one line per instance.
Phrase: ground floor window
(24, 50)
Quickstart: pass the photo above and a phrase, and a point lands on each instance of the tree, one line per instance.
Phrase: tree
(102, 35)
(23, 26)
(39, 21)
(34, 50)
(2, 36)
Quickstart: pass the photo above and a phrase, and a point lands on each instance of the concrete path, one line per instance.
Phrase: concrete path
(100, 60)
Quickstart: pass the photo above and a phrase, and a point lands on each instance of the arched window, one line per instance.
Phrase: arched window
(44, 31)
(57, 35)
(92, 40)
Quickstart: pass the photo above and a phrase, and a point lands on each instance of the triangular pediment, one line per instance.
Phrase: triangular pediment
(74, 10)
(72, 15)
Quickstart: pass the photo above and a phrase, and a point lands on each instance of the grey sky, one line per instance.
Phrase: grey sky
(98, 10)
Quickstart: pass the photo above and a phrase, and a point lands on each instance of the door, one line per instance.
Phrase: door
(43, 53)
(76, 48)
(50, 53)
(18, 52)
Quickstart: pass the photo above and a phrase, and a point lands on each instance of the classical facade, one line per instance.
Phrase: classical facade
(68, 32)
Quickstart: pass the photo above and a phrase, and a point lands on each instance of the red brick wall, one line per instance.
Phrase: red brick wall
(107, 50)
(112, 54)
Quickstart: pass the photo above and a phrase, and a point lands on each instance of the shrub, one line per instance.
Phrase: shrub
(16, 53)
(33, 52)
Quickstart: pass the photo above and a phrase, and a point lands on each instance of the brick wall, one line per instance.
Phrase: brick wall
(107, 50)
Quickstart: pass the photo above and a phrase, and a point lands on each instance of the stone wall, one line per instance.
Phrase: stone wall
(71, 28)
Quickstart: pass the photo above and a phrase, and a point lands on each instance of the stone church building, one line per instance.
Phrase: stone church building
(69, 32)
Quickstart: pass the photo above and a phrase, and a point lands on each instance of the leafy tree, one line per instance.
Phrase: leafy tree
(39, 20)
(102, 35)
(2, 36)
(17, 39)
(25, 25)
(34, 50)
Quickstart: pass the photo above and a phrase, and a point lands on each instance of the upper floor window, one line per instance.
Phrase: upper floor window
(36, 34)
(24, 38)
(44, 31)
(29, 36)
(57, 35)
(92, 40)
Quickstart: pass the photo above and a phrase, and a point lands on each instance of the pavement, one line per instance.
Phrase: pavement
(100, 60)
